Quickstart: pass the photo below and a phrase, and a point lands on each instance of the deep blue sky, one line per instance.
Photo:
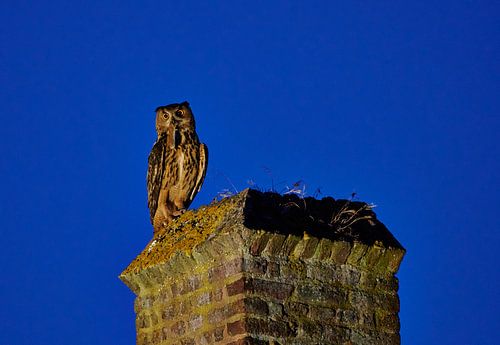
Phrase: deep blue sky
(396, 101)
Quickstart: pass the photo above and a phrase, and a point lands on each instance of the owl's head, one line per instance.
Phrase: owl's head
(177, 115)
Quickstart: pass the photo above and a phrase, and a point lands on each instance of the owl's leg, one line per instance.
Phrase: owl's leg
(180, 207)
(164, 212)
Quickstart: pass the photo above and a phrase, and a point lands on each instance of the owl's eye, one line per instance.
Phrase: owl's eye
(165, 115)
(178, 113)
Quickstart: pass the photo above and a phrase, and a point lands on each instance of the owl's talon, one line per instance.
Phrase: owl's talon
(179, 212)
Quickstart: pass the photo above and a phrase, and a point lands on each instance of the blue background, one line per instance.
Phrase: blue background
(396, 101)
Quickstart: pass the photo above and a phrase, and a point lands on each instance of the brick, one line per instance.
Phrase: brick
(257, 306)
(269, 327)
(340, 252)
(145, 302)
(165, 296)
(237, 327)
(219, 333)
(366, 301)
(275, 310)
(143, 320)
(293, 270)
(349, 276)
(167, 332)
(137, 305)
(367, 320)
(362, 300)
(185, 306)
(288, 246)
(348, 317)
(157, 336)
(233, 267)
(372, 258)
(367, 281)
(143, 338)
(296, 309)
(251, 341)
(216, 274)
(188, 341)
(335, 335)
(154, 319)
(170, 311)
(175, 289)
(357, 253)
(226, 269)
(255, 265)
(324, 250)
(312, 293)
(388, 284)
(395, 259)
(191, 284)
(363, 338)
(324, 314)
(309, 329)
(389, 338)
(388, 322)
(179, 328)
(296, 254)
(322, 273)
(203, 298)
(216, 295)
(206, 338)
(195, 322)
(274, 245)
(310, 246)
(237, 307)
(386, 302)
(236, 287)
(259, 244)
(276, 290)
(302, 341)
(273, 269)
(217, 315)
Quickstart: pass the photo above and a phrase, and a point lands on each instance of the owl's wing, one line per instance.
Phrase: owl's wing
(156, 171)
(202, 171)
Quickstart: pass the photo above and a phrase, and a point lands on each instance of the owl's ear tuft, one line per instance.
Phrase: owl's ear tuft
(185, 103)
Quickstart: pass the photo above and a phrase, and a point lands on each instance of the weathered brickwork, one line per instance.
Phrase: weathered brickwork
(252, 285)
(315, 299)
(200, 309)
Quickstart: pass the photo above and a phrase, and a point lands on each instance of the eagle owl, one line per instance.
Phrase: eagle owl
(176, 165)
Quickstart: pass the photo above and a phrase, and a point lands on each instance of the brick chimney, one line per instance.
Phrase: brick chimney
(262, 268)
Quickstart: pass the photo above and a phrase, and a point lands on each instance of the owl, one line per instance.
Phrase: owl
(177, 164)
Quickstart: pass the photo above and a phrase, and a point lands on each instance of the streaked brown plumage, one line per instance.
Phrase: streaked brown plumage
(177, 164)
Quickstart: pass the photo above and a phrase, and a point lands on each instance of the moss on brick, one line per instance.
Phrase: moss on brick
(184, 233)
